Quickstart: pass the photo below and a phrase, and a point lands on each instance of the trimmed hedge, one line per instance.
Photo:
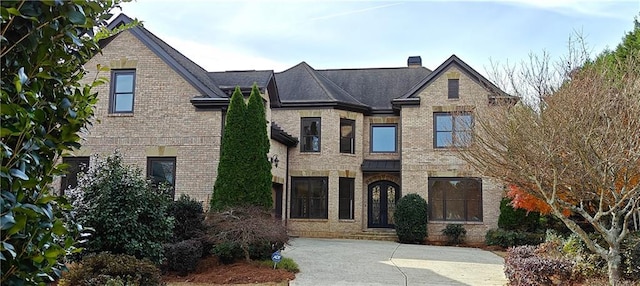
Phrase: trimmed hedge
(183, 256)
(508, 238)
(188, 217)
(411, 219)
(112, 269)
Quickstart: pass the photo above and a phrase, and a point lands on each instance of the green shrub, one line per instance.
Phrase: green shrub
(227, 252)
(112, 269)
(188, 216)
(517, 219)
(286, 263)
(585, 263)
(128, 214)
(411, 219)
(455, 233)
(183, 256)
(631, 256)
(508, 238)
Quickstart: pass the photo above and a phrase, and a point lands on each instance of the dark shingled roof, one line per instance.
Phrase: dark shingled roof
(380, 166)
(190, 71)
(376, 87)
(302, 84)
(244, 79)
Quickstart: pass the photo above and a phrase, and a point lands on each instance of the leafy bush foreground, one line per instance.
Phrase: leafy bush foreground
(128, 214)
(411, 219)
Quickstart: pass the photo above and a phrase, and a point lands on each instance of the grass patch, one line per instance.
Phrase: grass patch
(286, 263)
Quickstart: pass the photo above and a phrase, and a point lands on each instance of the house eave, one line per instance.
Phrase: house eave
(209, 103)
(326, 104)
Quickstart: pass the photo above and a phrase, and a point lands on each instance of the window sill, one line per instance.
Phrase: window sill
(347, 220)
(120, 114)
(310, 153)
(308, 220)
(455, 222)
(348, 154)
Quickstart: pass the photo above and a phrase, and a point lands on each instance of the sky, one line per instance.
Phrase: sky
(276, 35)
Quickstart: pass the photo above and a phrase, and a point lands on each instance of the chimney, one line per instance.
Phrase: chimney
(414, 62)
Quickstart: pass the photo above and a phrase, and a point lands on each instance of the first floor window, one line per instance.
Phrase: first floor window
(162, 170)
(455, 199)
(122, 91)
(345, 204)
(310, 134)
(76, 165)
(452, 130)
(309, 197)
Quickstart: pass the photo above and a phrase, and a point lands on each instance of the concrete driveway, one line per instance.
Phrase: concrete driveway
(363, 262)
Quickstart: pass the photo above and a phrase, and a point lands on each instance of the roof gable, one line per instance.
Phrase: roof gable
(190, 71)
(451, 61)
(302, 85)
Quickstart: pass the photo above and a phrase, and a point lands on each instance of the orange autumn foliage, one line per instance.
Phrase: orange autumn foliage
(523, 200)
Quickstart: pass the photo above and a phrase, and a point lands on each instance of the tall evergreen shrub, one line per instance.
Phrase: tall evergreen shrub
(230, 187)
(259, 168)
(411, 219)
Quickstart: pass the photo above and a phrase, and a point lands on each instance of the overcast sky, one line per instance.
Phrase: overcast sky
(276, 35)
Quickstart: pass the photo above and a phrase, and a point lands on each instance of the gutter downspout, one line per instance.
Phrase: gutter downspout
(286, 191)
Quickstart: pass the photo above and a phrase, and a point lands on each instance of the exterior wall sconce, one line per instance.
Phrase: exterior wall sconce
(274, 160)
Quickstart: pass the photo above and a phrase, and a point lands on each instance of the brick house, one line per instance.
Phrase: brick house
(346, 144)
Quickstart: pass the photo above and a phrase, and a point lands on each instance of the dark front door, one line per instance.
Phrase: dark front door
(383, 196)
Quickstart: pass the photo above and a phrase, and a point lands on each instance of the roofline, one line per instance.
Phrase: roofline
(210, 102)
(139, 34)
(382, 68)
(405, 101)
(473, 74)
(283, 137)
(329, 104)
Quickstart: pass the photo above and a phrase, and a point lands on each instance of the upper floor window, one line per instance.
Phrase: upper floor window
(162, 170)
(452, 130)
(76, 165)
(384, 138)
(347, 136)
(310, 134)
(309, 197)
(122, 91)
(455, 199)
(454, 88)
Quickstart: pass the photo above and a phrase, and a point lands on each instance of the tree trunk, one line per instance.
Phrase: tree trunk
(613, 262)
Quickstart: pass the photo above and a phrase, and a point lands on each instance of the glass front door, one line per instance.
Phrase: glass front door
(383, 196)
